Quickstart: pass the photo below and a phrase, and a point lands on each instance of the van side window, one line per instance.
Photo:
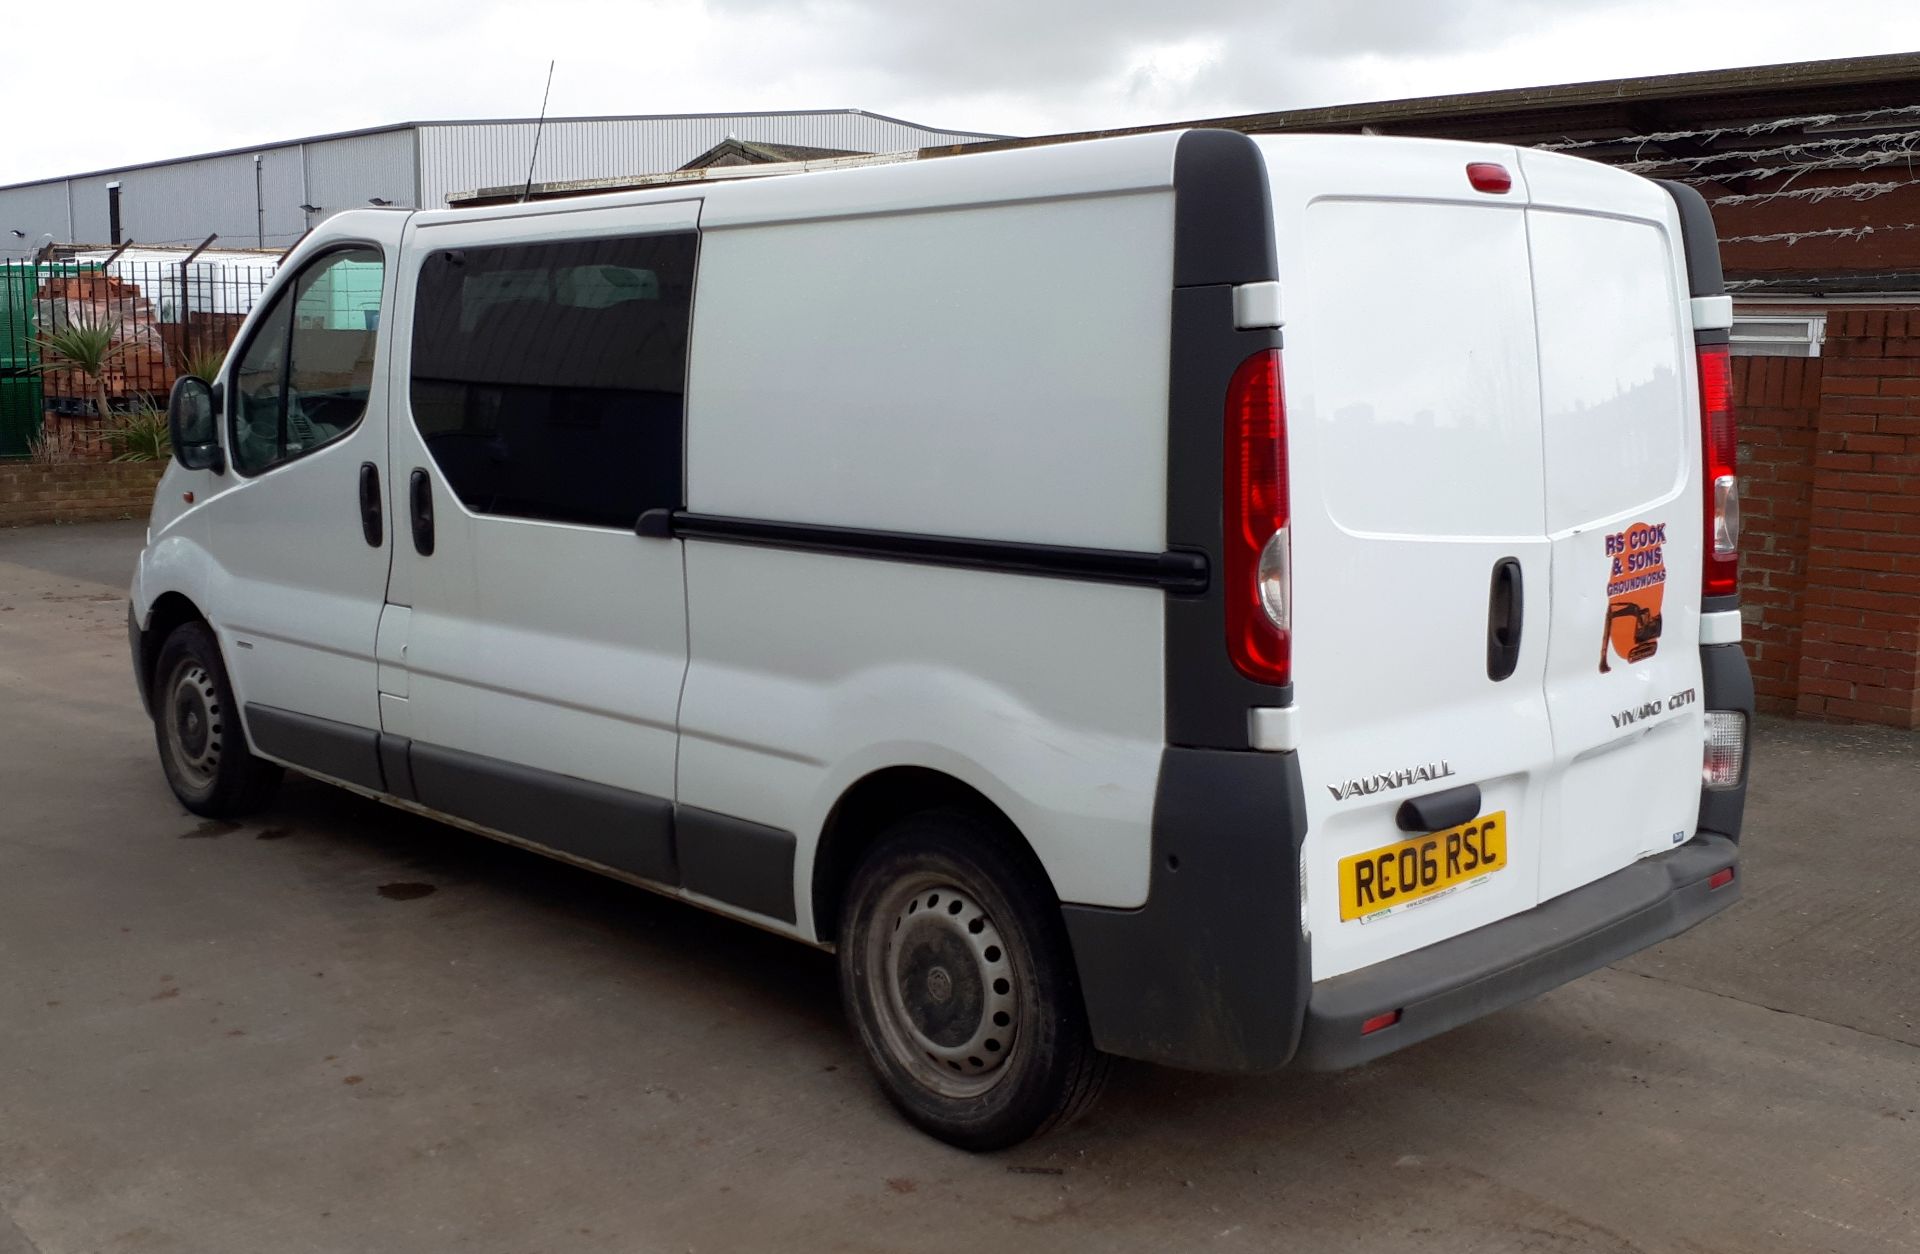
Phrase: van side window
(549, 380)
(303, 379)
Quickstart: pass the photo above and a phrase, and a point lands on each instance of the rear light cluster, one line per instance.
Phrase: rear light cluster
(1720, 572)
(1258, 550)
(1726, 748)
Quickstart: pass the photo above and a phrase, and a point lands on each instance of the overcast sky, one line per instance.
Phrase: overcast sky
(113, 82)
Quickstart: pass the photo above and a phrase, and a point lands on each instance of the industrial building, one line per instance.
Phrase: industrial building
(268, 195)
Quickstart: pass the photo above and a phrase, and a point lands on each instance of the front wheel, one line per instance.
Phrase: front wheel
(956, 973)
(196, 724)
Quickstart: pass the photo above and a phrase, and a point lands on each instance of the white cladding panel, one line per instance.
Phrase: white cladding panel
(39, 212)
(347, 173)
(995, 372)
(467, 156)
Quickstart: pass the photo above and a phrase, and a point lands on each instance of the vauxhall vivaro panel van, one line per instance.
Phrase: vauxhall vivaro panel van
(1233, 602)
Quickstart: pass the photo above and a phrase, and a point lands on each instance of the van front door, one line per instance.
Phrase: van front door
(301, 560)
(535, 646)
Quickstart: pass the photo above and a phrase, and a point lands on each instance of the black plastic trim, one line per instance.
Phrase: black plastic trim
(137, 642)
(1719, 605)
(1174, 571)
(1726, 682)
(341, 751)
(1437, 811)
(1212, 973)
(1465, 977)
(749, 865)
(1223, 237)
(627, 831)
(1701, 240)
(397, 767)
(733, 861)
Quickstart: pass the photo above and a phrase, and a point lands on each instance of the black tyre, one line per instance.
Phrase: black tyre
(956, 973)
(196, 724)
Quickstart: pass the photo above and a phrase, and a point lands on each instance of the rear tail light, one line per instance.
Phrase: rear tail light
(1726, 748)
(1258, 553)
(1720, 569)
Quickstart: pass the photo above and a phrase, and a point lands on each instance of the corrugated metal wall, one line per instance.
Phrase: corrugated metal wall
(348, 173)
(181, 202)
(464, 157)
(36, 212)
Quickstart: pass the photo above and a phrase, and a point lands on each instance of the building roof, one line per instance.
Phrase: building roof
(1526, 115)
(390, 127)
(735, 151)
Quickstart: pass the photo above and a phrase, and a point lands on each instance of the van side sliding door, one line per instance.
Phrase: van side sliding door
(533, 646)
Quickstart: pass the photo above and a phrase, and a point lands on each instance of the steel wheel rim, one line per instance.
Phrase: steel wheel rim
(194, 727)
(944, 986)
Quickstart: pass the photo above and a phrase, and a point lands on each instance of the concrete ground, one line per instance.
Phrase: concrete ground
(345, 1028)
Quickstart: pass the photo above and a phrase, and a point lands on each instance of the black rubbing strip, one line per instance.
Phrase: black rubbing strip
(749, 865)
(1172, 571)
(339, 751)
(627, 831)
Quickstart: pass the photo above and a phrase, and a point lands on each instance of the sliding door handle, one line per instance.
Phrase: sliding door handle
(420, 509)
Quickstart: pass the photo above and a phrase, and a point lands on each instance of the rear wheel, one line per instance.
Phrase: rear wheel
(196, 725)
(956, 973)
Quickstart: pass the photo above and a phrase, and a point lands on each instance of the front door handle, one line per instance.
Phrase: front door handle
(1505, 614)
(371, 520)
(420, 508)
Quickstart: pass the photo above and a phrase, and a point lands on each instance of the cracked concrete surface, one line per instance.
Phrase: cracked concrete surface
(228, 1038)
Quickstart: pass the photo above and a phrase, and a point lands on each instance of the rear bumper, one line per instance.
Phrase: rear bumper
(1474, 974)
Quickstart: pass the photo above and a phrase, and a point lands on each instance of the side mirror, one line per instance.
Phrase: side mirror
(192, 413)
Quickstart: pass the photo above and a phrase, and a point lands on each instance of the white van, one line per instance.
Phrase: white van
(1232, 602)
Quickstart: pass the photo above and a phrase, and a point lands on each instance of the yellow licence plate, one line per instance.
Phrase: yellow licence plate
(1420, 866)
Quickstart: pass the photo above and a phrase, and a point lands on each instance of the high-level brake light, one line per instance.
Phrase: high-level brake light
(1257, 547)
(1489, 176)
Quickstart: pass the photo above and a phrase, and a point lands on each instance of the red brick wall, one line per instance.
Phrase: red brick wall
(1777, 400)
(76, 492)
(1860, 636)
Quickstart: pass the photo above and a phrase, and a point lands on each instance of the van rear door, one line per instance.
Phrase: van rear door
(1419, 535)
(1621, 429)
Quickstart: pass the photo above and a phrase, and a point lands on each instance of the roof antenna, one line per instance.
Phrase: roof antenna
(537, 128)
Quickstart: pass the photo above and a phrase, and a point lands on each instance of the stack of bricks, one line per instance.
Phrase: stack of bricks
(1831, 551)
(76, 492)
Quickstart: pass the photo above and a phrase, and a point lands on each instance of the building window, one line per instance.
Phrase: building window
(549, 380)
(1778, 335)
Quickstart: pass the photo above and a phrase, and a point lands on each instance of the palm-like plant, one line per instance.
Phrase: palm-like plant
(141, 436)
(88, 347)
(204, 362)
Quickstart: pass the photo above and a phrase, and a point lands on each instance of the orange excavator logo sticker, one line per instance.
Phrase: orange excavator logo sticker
(1636, 583)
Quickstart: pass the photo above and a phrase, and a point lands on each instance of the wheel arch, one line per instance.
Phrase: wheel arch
(168, 611)
(874, 803)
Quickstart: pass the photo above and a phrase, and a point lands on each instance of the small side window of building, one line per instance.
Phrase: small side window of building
(304, 377)
(549, 380)
(1777, 335)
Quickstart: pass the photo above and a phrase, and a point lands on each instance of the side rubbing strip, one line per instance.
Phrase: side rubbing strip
(1172, 571)
(743, 864)
(338, 750)
(628, 831)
